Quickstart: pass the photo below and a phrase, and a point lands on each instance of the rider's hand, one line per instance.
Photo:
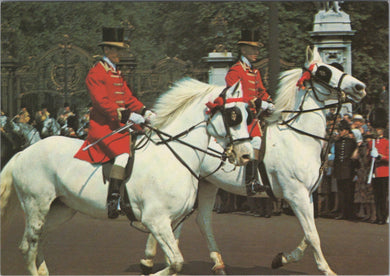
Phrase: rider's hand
(136, 118)
(149, 116)
(374, 153)
(267, 106)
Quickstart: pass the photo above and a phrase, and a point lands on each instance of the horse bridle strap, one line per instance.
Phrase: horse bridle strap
(219, 104)
(176, 138)
(308, 76)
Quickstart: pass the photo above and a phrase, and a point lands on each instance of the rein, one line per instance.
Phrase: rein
(341, 100)
(171, 138)
(219, 103)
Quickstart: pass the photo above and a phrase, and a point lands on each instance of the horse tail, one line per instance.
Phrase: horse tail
(8, 198)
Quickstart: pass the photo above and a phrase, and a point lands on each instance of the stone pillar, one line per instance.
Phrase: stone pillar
(332, 35)
(220, 59)
(219, 63)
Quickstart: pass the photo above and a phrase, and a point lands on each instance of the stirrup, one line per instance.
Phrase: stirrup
(254, 186)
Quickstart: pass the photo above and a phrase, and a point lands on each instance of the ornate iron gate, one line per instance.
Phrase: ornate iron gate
(55, 78)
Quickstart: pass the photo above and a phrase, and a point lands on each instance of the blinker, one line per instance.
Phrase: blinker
(233, 116)
(324, 74)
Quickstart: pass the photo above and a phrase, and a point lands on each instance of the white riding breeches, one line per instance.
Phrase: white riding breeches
(121, 160)
(256, 142)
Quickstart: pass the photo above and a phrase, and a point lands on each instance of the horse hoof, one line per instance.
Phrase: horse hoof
(219, 270)
(146, 270)
(277, 261)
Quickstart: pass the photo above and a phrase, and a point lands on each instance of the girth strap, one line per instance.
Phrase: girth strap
(262, 169)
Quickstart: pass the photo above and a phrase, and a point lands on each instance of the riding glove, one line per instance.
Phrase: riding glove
(374, 153)
(267, 106)
(136, 118)
(149, 115)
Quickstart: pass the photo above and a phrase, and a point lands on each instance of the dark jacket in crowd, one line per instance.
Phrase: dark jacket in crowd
(343, 164)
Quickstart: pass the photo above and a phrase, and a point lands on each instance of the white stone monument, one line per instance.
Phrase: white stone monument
(332, 35)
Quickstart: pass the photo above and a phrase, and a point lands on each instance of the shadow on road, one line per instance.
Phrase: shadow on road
(204, 268)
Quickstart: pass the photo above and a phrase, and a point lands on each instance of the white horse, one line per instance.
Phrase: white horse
(292, 158)
(52, 185)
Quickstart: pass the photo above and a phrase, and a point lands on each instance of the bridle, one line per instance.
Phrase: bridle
(217, 105)
(231, 117)
(308, 75)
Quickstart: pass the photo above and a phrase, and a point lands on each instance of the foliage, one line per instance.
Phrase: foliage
(183, 29)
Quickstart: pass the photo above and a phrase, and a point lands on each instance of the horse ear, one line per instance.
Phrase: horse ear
(309, 56)
(312, 55)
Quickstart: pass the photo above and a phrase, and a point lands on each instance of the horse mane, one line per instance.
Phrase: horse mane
(285, 94)
(172, 103)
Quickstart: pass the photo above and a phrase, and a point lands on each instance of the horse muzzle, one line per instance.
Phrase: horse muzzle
(240, 154)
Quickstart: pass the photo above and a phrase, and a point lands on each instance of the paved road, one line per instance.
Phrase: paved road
(86, 246)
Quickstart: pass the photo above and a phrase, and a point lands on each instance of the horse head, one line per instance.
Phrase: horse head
(228, 124)
(328, 81)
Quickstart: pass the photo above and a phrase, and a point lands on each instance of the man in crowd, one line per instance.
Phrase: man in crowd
(345, 151)
(379, 151)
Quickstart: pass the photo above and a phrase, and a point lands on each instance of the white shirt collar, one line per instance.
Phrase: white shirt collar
(106, 59)
(246, 61)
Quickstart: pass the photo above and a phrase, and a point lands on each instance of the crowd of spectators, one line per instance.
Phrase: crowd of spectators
(70, 123)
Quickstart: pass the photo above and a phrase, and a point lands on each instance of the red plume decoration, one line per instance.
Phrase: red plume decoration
(305, 76)
(219, 102)
(212, 105)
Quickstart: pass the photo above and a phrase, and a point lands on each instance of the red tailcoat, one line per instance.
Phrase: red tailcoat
(382, 165)
(252, 86)
(109, 92)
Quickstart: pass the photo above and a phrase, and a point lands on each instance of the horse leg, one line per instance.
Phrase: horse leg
(162, 231)
(303, 208)
(151, 249)
(292, 257)
(206, 199)
(35, 219)
(150, 252)
(59, 213)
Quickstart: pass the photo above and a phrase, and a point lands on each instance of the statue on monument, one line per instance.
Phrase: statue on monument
(331, 6)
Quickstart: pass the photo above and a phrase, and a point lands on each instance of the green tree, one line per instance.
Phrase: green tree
(183, 29)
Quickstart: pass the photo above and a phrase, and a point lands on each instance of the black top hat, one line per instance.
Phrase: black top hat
(250, 37)
(113, 37)
(378, 118)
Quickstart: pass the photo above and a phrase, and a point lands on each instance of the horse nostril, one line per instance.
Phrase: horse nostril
(359, 87)
(245, 157)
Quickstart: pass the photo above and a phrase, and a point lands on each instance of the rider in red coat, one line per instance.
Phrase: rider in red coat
(254, 92)
(113, 105)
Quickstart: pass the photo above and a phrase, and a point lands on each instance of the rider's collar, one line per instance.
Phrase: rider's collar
(246, 62)
(106, 59)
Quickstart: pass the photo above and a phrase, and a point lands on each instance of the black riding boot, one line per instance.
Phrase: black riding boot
(113, 197)
(253, 185)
